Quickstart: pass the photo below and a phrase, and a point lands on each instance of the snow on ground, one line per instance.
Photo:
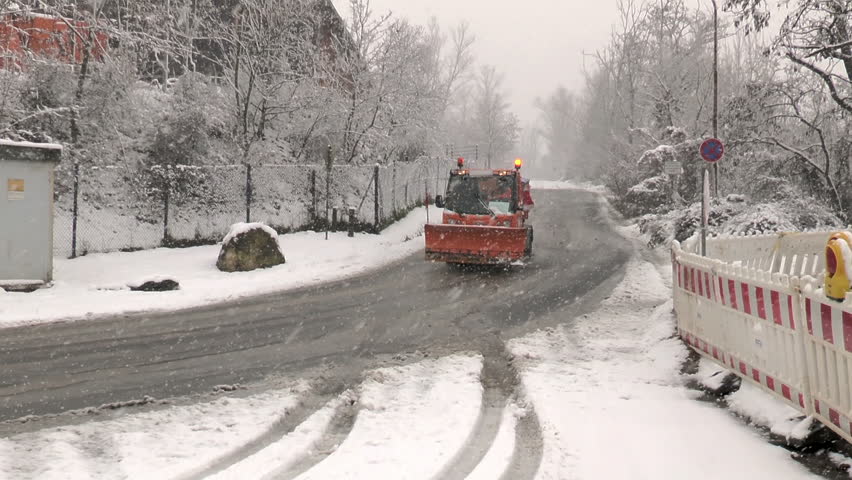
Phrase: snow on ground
(566, 185)
(753, 403)
(97, 284)
(413, 419)
(710, 374)
(612, 402)
(762, 409)
(164, 443)
(842, 461)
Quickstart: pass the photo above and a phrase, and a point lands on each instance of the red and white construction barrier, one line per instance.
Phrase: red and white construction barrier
(755, 307)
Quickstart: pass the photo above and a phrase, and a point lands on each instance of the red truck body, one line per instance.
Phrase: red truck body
(484, 220)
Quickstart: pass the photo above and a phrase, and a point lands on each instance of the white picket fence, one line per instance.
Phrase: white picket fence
(755, 305)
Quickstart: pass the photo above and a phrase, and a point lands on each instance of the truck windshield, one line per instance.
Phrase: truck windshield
(472, 195)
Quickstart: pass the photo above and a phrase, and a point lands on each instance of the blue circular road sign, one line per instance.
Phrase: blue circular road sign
(712, 150)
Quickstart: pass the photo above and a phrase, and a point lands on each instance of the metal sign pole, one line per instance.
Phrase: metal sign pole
(705, 210)
(712, 150)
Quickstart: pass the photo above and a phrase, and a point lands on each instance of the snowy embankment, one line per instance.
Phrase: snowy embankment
(754, 404)
(410, 421)
(612, 402)
(98, 284)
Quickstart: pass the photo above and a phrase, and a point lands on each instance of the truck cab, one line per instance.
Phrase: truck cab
(484, 219)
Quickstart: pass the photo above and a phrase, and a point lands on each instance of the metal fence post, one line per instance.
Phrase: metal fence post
(376, 197)
(334, 212)
(329, 160)
(437, 182)
(393, 189)
(167, 188)
(248, 193)
(351, 222)
(312, 179)
(426, 197)
(75, 211)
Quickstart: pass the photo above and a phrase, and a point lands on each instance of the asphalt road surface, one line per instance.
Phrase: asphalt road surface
(410, 305)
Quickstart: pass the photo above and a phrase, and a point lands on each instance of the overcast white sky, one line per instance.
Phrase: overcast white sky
(537, 44)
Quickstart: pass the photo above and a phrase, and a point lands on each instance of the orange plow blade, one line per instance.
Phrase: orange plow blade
(475, 244)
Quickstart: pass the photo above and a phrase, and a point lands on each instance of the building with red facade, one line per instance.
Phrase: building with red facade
(28, 35)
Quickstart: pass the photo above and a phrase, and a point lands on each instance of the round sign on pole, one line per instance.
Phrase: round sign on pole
(712, 150)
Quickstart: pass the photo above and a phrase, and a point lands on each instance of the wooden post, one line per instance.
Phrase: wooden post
(351, 222)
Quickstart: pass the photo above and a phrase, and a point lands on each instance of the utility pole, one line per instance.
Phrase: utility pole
(715, 92)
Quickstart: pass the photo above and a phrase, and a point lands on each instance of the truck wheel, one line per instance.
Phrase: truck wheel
(528, 250)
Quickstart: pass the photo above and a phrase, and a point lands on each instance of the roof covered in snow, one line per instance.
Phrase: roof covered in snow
(11, 150)
(13, 143)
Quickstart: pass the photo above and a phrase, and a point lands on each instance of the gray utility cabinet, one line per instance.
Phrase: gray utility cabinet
(26, 213)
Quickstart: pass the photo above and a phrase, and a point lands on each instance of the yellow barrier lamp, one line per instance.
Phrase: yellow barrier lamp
(837, 257)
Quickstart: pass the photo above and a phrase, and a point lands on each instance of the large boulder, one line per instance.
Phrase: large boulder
(249, 246)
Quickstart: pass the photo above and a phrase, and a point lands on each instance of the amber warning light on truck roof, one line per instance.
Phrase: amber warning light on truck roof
(518, 163)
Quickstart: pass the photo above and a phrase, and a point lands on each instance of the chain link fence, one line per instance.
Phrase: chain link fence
(117, 208)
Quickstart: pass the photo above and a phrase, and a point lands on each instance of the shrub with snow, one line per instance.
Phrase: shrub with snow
(654, 191)
(649, 196)
(736, 215)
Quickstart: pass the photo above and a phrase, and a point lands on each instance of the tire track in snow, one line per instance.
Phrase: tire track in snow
(529, 448)
(496, 462)
(284, 425)
(335, 433)
(412, 421)
(496, 388)
(500, 382)
(297, 450)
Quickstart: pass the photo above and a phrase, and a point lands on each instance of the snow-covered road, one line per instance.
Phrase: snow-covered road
(597, 396)
(606, 388)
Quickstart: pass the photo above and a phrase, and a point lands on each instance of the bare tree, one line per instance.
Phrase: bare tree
(270, 56)
(559, 128)
(498, 126)
(815, 35)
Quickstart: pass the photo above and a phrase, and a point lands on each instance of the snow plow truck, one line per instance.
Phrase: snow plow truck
(484, 220)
